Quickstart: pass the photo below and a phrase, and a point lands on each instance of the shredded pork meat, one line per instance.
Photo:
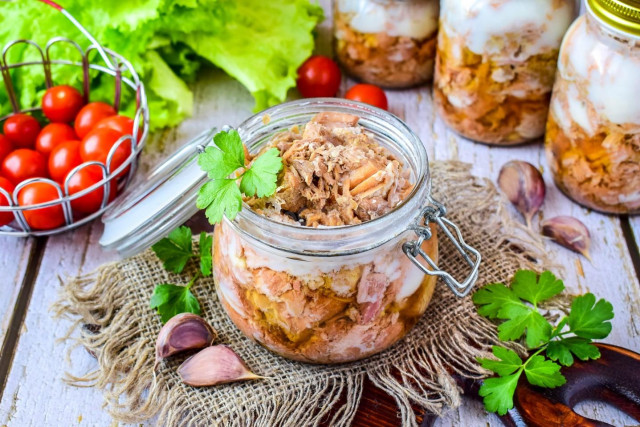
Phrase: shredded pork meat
(334, 174)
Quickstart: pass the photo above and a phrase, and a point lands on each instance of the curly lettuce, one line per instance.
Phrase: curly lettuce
(259, 43)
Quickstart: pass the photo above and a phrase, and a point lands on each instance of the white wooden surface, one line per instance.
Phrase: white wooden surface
(14, 256)
(36, 396)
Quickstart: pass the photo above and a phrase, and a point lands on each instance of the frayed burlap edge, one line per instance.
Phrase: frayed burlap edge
(421, 375)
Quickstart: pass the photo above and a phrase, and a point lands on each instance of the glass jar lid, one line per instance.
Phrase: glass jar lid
(622, 15)
(164, 200)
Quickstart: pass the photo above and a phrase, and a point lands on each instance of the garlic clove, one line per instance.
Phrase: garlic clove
(185, 331)
(568, 232)
(214, 365)
(523, 185)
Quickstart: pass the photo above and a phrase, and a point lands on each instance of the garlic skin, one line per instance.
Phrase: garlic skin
(523, 185)
(185, 331)
(569, 232)
(214, 365)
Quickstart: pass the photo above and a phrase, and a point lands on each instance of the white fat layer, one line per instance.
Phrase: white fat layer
(485, 25)
(388, 259)
(412, 280)
(600, 75)
(417, 19)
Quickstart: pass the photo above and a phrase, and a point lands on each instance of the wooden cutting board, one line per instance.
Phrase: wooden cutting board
(614, 379)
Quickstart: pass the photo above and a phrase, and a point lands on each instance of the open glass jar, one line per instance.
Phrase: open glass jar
(593, 130)
(335, 294)
(322, 295)
(390, 43)
(495, 66)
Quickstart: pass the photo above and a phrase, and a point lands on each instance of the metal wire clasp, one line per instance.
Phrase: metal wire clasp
(435, 212)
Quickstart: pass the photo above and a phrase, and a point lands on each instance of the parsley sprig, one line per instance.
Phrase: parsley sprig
(175, 251)
(551, 346)
(222, 195)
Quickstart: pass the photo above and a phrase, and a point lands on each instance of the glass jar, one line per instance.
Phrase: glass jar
(389, 43)
(495, 66)
(335, 294)
(593, 130)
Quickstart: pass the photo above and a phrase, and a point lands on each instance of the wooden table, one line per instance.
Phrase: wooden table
(32, 362)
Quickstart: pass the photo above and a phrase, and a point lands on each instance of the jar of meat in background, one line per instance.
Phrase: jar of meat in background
(495, 66)
(389, 43)
(593, 131)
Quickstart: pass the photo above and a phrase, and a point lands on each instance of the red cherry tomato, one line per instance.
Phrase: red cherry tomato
(83, 179)
(122, 124)
(52, 135)
(23, 164)
(97, 144)
(63, 158)
(6, 147)
(318, 76)
(61, 103)
(43, 218)
(90, 115)
(369, 94)
(5, 217)
(22, 130)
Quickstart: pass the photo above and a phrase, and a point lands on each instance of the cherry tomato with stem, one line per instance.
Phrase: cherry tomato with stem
(97, 145)
(83, 179)
(22, 164)
(61, 103)
(92, 114)
(63, 159)
(52, 135)
(22, 130)
(42, 218)
(5, 217)
(6, 147)
(318, 76)
(369, 94)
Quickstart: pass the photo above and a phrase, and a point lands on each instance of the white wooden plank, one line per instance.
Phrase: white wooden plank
(35, 393)
(635, 226)
(14, 257)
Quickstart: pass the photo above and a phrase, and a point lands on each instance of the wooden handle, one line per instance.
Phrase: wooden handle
(614, 378)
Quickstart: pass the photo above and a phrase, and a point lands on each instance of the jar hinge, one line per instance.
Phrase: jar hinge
(435, 212)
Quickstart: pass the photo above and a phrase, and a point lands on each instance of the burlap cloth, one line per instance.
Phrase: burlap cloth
(114, 301)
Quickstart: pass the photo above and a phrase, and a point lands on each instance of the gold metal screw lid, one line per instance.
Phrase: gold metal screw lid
(623, 15)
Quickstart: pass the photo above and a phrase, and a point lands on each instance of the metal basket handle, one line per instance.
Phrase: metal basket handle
(83, 30)
(435, 212)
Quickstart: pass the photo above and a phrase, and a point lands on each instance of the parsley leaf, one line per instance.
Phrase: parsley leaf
(498, 392)
(529, 287)
(561, 350)
(509, 361)
(543, 372)
(221, 196)
(176, 250)
(518, 307)
(492, 298)
(221, 161)
(170, 300)
(537, 328)
(261, 177)
(587, 320)
(206, 243)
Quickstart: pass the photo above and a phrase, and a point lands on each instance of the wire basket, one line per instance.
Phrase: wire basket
(125, 78)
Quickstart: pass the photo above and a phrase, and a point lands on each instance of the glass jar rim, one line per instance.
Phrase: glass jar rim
(338, 240)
